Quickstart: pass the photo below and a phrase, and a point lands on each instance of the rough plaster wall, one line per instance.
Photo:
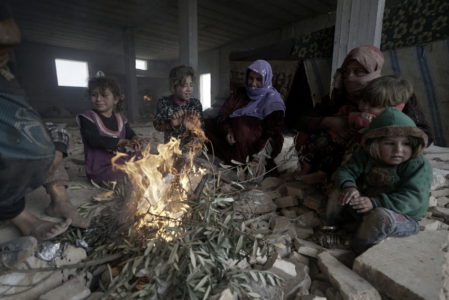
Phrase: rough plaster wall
(287, 32)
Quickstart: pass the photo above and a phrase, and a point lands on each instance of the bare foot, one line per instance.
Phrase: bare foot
(61, 207)
(40, 229)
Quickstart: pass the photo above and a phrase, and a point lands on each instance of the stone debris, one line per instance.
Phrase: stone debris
(255, 202)
(406, 268)
(315, 201)
(440, 193)
(227, 294)
(73, 289)
(349, 283)
(308, 219)
(288, 212)
(30, 285)
(442, 201)
(427, 224)
(287, 201)
(440, 212)
(444, 293)
(270, 183)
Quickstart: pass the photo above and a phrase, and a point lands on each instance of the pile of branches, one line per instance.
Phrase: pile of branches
(210, 249)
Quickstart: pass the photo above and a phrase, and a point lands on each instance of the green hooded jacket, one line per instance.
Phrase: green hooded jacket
(403, 188)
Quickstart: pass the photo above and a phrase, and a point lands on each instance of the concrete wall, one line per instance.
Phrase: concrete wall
(37, 73)
(220, 69)
(35, 68)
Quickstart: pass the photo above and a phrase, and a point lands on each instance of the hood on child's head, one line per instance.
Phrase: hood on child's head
(392, 123)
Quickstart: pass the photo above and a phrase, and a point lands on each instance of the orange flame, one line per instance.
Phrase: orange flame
(162, 182)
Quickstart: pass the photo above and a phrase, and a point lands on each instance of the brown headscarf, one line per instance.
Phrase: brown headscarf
(371, 59)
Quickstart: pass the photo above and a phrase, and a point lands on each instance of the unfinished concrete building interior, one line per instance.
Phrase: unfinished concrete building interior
(306, 212)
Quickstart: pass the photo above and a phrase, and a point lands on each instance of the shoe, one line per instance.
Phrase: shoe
(16, 251)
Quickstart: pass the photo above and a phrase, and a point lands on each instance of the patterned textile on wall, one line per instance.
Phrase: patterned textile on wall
(283, 74)
(427, 68)
(408, 23)
(314, 44)
(415, 22)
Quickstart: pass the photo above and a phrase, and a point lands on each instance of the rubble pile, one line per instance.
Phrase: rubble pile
(280, 216)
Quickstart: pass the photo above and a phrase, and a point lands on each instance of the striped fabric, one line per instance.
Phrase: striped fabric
(427, 67)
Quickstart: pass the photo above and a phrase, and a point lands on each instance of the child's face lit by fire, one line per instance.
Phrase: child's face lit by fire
(395, 150)
(103, 102)
(185, 91)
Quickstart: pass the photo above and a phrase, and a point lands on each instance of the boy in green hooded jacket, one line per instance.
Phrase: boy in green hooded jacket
(386, 184)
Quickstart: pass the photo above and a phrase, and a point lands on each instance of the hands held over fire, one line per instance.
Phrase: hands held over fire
(190, 119)
(135, 144)
(352, 197)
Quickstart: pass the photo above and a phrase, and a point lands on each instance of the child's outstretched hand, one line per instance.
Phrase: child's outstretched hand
(348, 194)
(192, 120)
(361, 204)
(177, 118)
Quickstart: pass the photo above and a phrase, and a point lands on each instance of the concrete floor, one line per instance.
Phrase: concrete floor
(80, 189)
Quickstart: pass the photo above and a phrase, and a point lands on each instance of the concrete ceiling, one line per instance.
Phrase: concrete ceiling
(99, 24)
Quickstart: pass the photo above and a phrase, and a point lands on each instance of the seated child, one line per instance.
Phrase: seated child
(179, 114)
(321, 154)
(104, 131)
(385, 185)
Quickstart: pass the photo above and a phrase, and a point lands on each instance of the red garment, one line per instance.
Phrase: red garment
(250, 133)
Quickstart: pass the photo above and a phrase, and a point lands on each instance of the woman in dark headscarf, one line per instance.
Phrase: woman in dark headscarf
(250, 118)
(360, 66)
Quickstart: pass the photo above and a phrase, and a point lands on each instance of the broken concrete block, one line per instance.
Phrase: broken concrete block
(319, 287)
(310, 297)
(73, 289)
(300, 284)
(444, 293)
(281, 243)
(95, 296)
(349, 283)
(431, 225)
(432, 201)
(440, 179)
(294, 189)
(303, 232)
(333, 294)
(30, 285)
(440, 193)
(307, 248)
(271, 183)
(442, 201)
(227, 294)
(297, 258)
(406, 268)
(255, 202)
(440, 212)
(289, 213)
(281, 224)
(284, 269)
(309, 219)
(287, 201)
(315, 201)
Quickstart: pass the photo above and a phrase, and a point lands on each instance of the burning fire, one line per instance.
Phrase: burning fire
(163, 182)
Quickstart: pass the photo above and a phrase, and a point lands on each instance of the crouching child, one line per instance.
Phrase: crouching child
(384, 188)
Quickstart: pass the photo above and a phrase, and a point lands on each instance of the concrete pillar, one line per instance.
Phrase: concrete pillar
(188, 32)
(358, 23)
(129, 55)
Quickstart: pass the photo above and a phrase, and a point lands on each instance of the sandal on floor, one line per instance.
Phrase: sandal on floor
(16, 251)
